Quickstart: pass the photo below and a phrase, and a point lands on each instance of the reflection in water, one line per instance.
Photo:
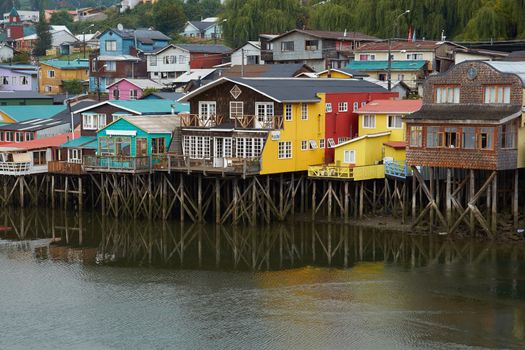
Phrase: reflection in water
(253, 287)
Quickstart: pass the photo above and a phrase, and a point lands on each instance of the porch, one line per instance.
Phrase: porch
(357, 173)
(230, 165)
(237, 122)
(64, 167)
(120, 164)
(21, 168)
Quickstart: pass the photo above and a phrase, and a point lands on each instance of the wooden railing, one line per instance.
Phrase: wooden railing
(397, 168)
(240, 122)
(16, 168)
(117, 163)
(195, 120)
(331, 171)
(62, 167)
(244, 166)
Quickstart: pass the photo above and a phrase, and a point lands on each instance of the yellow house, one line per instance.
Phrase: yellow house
(341, 73)
(53, 73)
(381, 141)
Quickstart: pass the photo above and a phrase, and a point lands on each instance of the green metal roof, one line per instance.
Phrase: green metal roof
(153, 106)
(73, 64)
(82, 142)
(383, 65)
(14, 12)
(24, 113)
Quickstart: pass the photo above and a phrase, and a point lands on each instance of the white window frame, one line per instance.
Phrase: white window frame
(304, 145)
(111, 45)
(328, 107)
(265, 118)
(391, 121)
(207, 109)
(288, 112)
(342, 107)
(284, 150)
(304, 111)
(51, 73)
(111, 66)
(235, 105)
(133, 94)
(321, 143)
(312, 144)
(330, 142)
(93, 121)
(349, 156)
(369, 121)
(355, 106)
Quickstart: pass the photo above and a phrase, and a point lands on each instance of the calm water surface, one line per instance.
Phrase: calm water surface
(97, 283)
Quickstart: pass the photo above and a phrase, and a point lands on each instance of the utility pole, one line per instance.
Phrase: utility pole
(242, 63)
(389, 67)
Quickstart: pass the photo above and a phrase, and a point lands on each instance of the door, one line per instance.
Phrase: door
(264, 115)
(218, 152)
(141, 147)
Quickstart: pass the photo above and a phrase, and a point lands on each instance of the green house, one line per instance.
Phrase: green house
(132, 143)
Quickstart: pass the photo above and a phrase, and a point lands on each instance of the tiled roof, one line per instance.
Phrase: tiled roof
(383, 65)
(205, 48)
(391, 106)
(396, 144)
(25, 113)
(73, 64)
(470, 112)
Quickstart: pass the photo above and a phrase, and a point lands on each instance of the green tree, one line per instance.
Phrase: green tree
(168, 16)
(21, 57)
(61, 18)
(44, 37)
(73, 87)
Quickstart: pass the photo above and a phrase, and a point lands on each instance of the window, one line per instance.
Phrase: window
(50, 73)
(342, 139)
(394, 122)
(313, 144)
(14, 80)
(182, 59)
(111, 45)
(363, 104)
(73, 155)
(328, 107)
(48, 88)
(264, 114)
(1, 136)
(485, 138)
(342, 107)
(331, 143)
(468, 138)
(321, 143)
(111, 66)
(304, 145)
(19, 136)
(401, 77)
(356, 106)
(369, 121)
(93, 121)
(153, 60)
(349, 157)
(434, 138)
(9, 136)
(414, 56)
(416, 136)
(497, 94)
(367, 57)
(447, 94)
(284, 150)
(304, 111)
(133, 93)
(196, 147)
(39, 158)
(247, 147)
(5, 81)
(207, 110)
(158, 145)
(508, 135)
(170, 59)
(116, 94)
(287, 46)
(451, 137)
(236, 109)
(288, 112)
(25, 81)
(123, 146)
(29, 136)
(311, 45)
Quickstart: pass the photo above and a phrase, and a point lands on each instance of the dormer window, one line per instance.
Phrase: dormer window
(497, 94)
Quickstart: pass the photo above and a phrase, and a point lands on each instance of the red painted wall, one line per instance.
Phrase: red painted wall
(344, 124)
(205, 60)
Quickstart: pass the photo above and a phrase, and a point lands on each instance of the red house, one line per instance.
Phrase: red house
(206, 56)
(14, 27)
(341, 123)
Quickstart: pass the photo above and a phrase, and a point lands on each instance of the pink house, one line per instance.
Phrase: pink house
(131, 89)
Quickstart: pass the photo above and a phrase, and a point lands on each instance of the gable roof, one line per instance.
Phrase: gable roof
(349, 72)
(165, 95)
(383, 65)
(391, 106)
(143, 35)
(201, 25)
(205, 48)
(154, 124)
(159, 50)
(86, 142)
(329, 35)
(24, 113)
(140, 83)
(194, 74)
(367, 136)
(467, 112)
(286, 70)
(292, 89)
(66, 65)
(144, 107)
(418, 45)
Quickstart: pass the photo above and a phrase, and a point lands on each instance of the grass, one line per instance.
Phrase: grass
(70, 57)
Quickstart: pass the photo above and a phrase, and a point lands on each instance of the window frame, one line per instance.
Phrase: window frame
(371, 120)
(236, 114)
(284, 150)
(394, 117)
(289, 44)
(342, 107)
(288, 112)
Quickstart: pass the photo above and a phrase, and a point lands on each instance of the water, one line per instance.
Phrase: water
(138, 285)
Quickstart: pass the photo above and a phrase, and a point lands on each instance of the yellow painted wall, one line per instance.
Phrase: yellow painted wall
(60, 74)
(382, 126)
(335, 75)
(396, 154)
(295, 131)
(5, 118)
(410, 77)
(368, 151)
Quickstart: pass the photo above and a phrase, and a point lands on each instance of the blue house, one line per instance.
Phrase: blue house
(121, 55)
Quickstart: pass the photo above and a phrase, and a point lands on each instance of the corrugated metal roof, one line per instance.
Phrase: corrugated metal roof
(193, 74)
(152, 106)
(24, 113)
(23, 94)
(383, 65)
(391, 106)
(205, 48)
(80, 142)
(73, 64)
(141, 34)
(53, 141)
(470, 112)
(155, 124)
(141, 83)
(513, 67)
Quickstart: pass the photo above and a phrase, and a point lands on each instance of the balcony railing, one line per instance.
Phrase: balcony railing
(117, 164)
(239, 122)
(244, 166)
(21, 168)
(398, 168)
(62, 167)
(331, 171)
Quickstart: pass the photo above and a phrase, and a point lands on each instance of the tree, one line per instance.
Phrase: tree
(61, 18)
(5, 6)
(73, 87)
(21, 57)
(168, 16)
(44, 37)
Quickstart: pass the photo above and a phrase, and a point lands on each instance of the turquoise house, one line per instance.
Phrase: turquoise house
(133, 143)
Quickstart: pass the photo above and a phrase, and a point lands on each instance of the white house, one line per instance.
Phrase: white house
(6, 53)
(167, 63)
(251, 52)
(208, 28)
(32, 16)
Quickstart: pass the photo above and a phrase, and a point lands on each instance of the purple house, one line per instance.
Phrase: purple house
(131, 89)
(18, 77)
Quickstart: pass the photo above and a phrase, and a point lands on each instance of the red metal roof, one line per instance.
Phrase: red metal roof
(396, 144)
(53, 141)
(425, 45)
(391, 106)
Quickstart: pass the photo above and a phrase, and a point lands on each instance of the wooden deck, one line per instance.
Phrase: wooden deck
(62, 167)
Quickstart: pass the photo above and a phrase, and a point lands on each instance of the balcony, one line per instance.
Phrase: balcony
(358, 173)
(117, 164)
(21, 168)
(239, 166)
(398, 169)
(238, 122)
(62, 167)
